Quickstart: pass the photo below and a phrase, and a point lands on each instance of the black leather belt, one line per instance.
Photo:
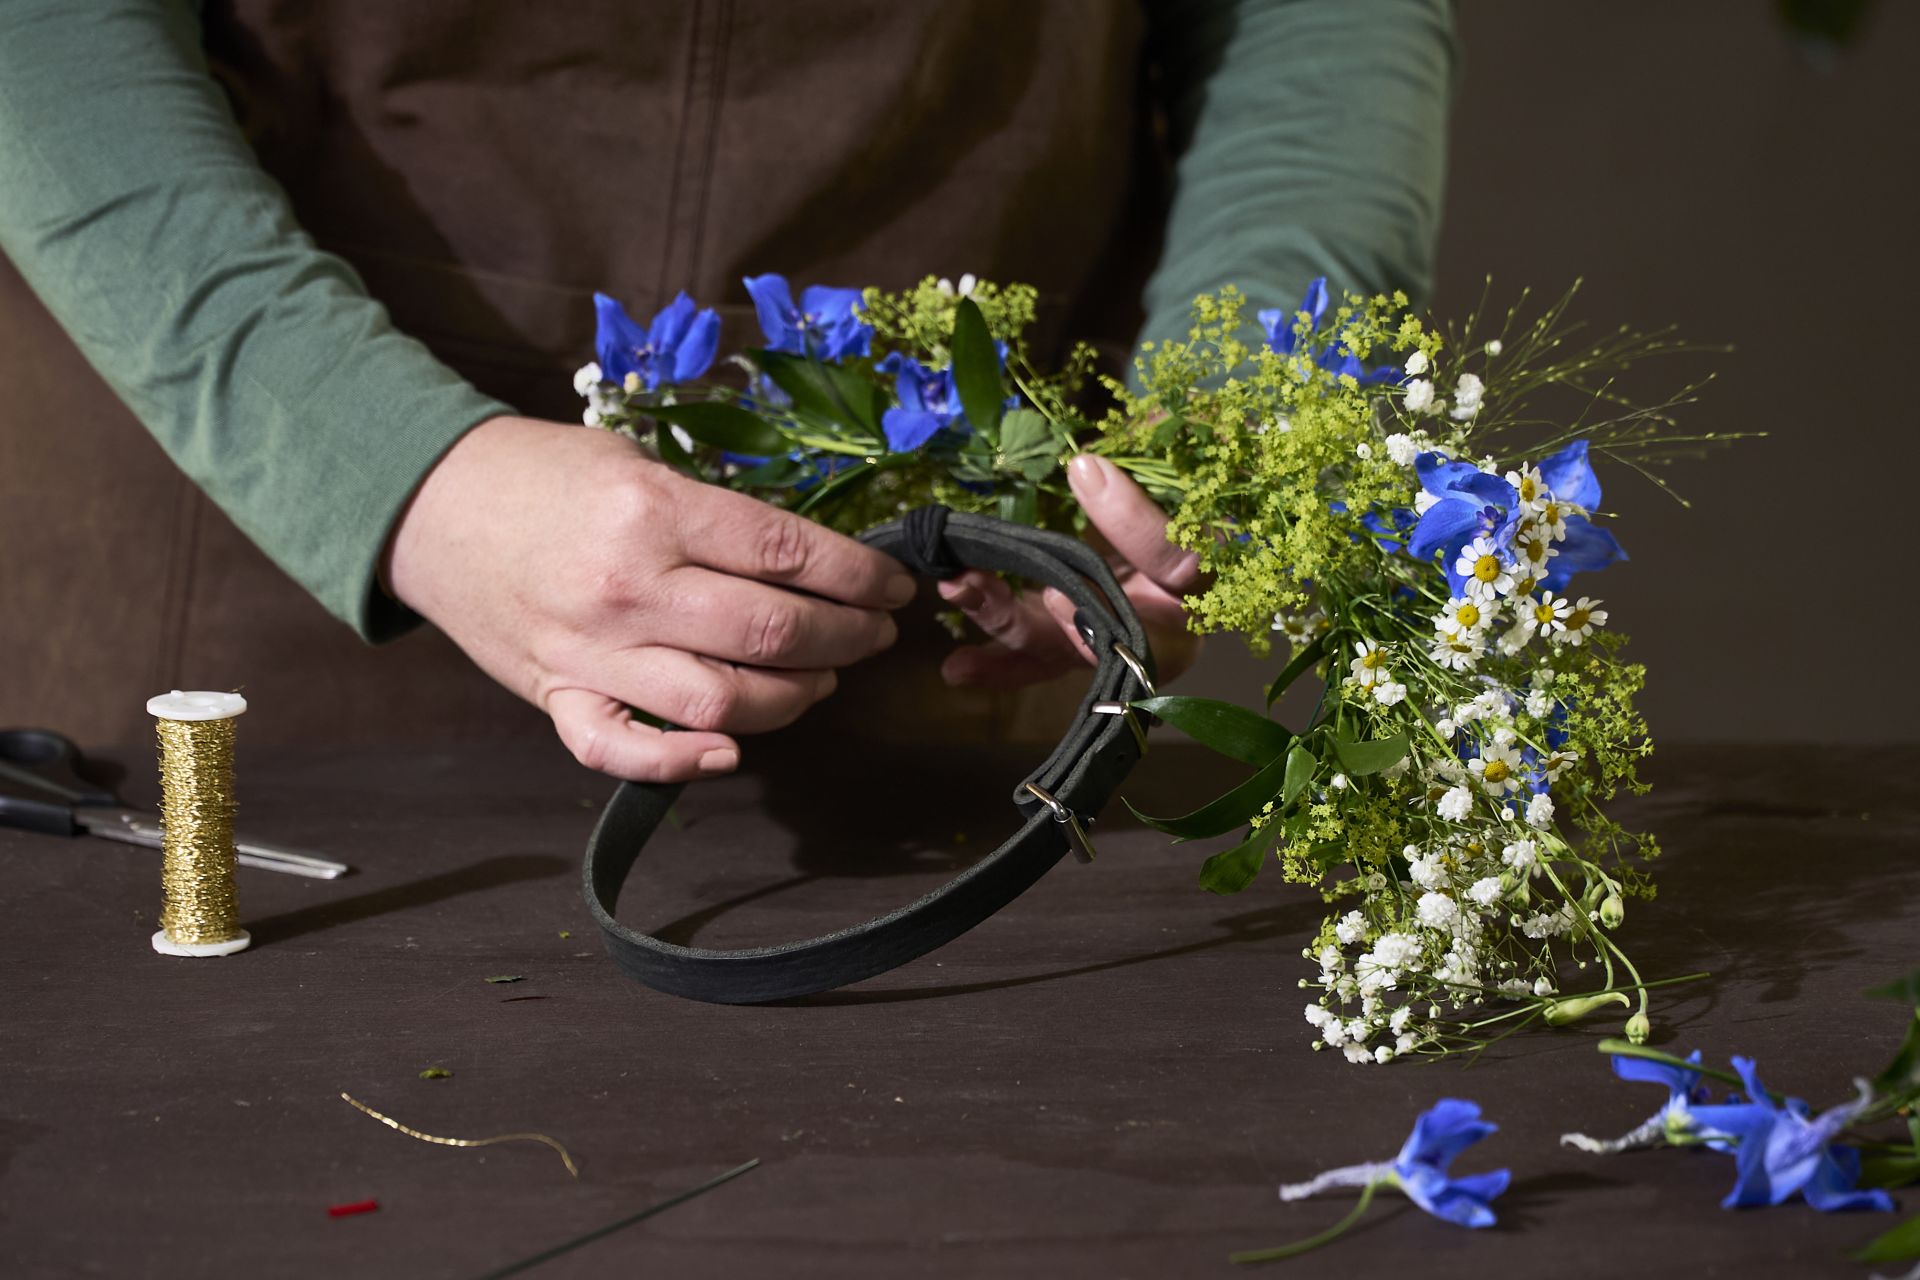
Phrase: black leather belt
(1056, 801)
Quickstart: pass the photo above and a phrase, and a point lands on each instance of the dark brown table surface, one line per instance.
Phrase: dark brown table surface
(1108, 1079)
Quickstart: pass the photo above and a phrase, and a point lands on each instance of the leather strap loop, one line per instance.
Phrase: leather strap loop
(1081, 775)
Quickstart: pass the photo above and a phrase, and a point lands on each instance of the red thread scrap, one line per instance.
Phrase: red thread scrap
(348, 1210)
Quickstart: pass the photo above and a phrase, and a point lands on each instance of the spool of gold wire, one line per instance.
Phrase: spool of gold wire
(200, 916)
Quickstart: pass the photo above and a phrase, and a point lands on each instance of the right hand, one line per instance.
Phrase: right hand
(589, 578)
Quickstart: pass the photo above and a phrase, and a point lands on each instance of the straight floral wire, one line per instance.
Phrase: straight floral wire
(393, 1124)
(1440, 1134)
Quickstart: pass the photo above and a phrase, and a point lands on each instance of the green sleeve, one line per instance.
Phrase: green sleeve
(135, 209)
(1310, 138)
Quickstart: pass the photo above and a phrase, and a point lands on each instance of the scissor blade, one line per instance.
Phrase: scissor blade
(133, 827)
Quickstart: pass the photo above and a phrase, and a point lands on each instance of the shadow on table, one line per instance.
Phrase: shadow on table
(489, 873)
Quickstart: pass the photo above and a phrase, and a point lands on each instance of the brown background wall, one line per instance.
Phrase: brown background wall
(1697, 166)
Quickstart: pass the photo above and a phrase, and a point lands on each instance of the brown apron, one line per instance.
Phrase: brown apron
(486, 168)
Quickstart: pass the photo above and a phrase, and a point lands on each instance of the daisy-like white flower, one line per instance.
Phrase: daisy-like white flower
(1546, 615)
(1532, 549)
(1457, 652)
(1419, 396)
(1389, 693)
(1550, 517)
(1369, 667)
(1300, 628)
(1530, 486)
(1497, 766)
(1463, 617)
(1580, 621)
(1488, 574)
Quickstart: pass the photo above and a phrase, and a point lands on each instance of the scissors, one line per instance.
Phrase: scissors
(41, 791)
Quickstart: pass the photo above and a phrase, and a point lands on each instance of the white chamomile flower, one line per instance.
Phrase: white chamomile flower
(1417, 364)
(1540, 811)
(1456, 804)
(1389, 693)
(1578, 623)
(1300, 628)
(1419, 396)
(1370, 666)
(1458, 652)
(947, 289)
(1402, 450)
(1532, 549)
(1539, 704)
(586, 378)
(1486, 891)
(1495, 347)
(1497, 766)
(1466, 396)
(1550, 517)
(1487, 572)
(1547, 614)
(1530, 486)
(1464, 617)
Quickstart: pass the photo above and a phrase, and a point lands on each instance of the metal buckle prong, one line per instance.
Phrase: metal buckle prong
(1133, 721)
(1082, 846)
(1138, 667)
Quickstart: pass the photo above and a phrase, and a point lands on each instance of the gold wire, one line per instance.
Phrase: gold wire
(391, 1123)
(196, 810)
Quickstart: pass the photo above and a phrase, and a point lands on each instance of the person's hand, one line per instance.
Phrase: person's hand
(1033, 637)
(588, 578)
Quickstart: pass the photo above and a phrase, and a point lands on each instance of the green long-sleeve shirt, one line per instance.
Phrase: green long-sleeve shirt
(1310, 137)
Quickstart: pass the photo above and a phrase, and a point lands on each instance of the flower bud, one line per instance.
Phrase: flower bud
(1613, 911)
(1574, 1008)
(1638, 1028)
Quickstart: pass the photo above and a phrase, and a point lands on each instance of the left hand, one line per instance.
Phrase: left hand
(1032, 637)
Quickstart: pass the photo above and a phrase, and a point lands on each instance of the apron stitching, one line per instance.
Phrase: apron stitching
(716, 102)
(667, 233)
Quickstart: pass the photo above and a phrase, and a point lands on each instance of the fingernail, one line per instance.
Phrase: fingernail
(1088, 475)
(959, 593)
(900, 589)
(889, 632)
(719, 760)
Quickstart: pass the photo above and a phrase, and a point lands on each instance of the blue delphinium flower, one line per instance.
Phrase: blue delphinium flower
(1441, 1133)
(1676, 1123)
(1468, 503)
(1788, 1149)
(826, 325)
(1283, 337)
(1569, 477)
(928, 403)
(677, 347)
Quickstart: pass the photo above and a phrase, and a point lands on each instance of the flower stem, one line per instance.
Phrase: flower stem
(1313, 1242)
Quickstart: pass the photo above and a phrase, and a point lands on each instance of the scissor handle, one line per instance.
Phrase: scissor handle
(45, 761)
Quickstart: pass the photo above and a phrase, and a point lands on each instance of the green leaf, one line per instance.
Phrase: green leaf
(780, 473)
(820, 392)
(1020, 505)
(724, 426)
(1232, 870)
(1165, 434)
(1233, 731)
(1024, 431)
(842, 483)
(507, 977)
(1906, 989)
(673, 454)
(1362, 758)
(1037, 467)
(1897, 1245)
(1903, 1072)
(1224, 814)
(1300, 662)
(1889, 1171)
(1301, 764)
(976, 369)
